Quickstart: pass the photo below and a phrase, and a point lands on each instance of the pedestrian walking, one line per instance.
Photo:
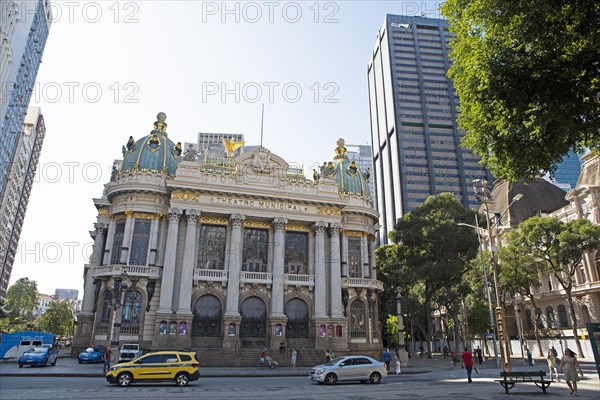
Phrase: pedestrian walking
(479, 355)
(529, 357)
(397, 360)
(554, 352)
(294, 356)
(569, 366)
(454, 358)
(387, 358)
(331, 355)
(467, 363)
(551, 359)
(107, 355)
(327, 358)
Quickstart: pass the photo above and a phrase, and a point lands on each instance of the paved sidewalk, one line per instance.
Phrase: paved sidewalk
(67, 366)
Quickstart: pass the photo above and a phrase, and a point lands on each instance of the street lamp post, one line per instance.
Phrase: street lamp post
(402, 354)
(487, 287)
(483, 195)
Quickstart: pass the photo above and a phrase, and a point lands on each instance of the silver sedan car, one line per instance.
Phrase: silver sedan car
(349, 368)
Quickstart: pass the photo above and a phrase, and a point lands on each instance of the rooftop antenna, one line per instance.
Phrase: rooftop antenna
(262, 119)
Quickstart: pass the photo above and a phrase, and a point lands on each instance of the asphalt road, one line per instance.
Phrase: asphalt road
(423, 386)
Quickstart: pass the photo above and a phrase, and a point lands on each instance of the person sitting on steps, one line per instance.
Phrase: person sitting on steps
(265, 358)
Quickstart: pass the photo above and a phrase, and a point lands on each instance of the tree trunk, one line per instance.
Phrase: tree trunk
(429, 328)
(536, 330)
(574, 322)
(457, 333)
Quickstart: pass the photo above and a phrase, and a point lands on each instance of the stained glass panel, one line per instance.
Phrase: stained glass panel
(354, 258)
(139, 242)
(256, 248)
(117, 242)
(296, 253)
(211, 252)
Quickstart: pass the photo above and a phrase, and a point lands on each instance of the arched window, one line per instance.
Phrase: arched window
(296, 311)
(528, 319)
(132, 308)
(106, 307)
(254, 318)
(563, 320)
(207, 317)
(550, 317)
(358, 320)
(539, 318)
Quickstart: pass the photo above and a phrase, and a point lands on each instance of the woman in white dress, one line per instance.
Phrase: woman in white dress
(397, 359)
(569, 366)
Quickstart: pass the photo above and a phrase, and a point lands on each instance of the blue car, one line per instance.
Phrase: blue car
(94, 354)
(38, 356)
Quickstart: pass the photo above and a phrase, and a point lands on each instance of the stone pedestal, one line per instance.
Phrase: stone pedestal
(231, 331)
(83, 337)
(276, 331)
(403, 354)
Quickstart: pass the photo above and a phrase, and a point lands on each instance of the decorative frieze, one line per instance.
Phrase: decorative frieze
(213, 221)
(256, 224)
(185, 196)
(297, 228)
(329, 211)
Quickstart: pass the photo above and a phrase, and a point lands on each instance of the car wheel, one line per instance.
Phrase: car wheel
(182, 379)
(375, 378)
(331, 379)
(124, 379)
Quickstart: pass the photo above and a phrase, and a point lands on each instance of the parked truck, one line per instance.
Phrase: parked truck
(129, 351)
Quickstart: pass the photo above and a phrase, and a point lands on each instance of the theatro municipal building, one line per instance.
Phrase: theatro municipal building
(231, 253)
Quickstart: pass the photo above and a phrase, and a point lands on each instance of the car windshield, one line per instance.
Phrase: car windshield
(129, 347)
(334, 361)
(37, 351)
(89, 350)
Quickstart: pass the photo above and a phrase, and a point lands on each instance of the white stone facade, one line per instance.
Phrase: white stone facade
(246, 252)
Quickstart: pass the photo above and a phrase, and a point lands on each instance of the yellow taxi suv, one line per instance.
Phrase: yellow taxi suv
(163, 366)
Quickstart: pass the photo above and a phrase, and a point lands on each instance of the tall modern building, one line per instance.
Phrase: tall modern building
(13, 203)
(567, 172)
(24, 29)
(416, 141)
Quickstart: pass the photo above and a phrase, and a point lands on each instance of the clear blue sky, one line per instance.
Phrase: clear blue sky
(109, 68)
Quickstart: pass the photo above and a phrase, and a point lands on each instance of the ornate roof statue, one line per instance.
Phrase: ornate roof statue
(231, 146)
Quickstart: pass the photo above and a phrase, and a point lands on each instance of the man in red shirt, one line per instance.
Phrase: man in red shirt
(467, 361)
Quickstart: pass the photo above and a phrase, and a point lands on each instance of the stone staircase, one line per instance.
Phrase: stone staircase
(248, 357)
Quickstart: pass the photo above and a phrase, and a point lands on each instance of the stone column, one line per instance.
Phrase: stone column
(153, 240)
(168, 276)
(109, 242)
(127, 235)
(189, 258)
(337, 310)
(87, 304)
(235, 265)
(364, 253)
(344, 255)
(278, 267)
(320, 278)
(373, 260)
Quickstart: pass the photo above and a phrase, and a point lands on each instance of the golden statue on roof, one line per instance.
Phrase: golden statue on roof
(231, 146)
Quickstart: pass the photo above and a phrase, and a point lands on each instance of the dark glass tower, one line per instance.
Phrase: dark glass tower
(416, 141)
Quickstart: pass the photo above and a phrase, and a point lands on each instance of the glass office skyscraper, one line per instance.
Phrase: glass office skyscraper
(416, 141)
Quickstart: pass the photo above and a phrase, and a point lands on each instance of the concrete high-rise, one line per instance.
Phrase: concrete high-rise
(24, 28)
(416, 140)
(13, 203)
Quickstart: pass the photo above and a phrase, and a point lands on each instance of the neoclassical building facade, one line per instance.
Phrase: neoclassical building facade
(231, 252)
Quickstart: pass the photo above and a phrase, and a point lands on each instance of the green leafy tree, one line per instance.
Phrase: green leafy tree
(58, 318)
(21, 299)
(528, 77)
(391, 327)
(561, 246)
(434, 252)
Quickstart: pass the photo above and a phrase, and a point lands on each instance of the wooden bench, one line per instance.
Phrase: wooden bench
(510, 379)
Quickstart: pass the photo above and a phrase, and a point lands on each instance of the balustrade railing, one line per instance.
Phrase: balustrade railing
(210, 275)
(258, 277)
(129, 270)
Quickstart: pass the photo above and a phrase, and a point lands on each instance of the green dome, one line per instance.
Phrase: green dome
(349, 178)
(154, 153)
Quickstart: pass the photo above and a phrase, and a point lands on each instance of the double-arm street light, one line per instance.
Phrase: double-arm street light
(487, 288)
(483, 195)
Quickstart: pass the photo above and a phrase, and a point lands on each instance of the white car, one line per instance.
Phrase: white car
(349, 368)
(129, 351)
